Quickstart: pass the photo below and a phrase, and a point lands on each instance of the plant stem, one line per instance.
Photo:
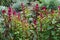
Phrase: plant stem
(41, 26)
(50, 36)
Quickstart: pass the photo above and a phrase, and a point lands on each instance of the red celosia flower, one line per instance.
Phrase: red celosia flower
(9, 14)
(52, 11)
(9, 11)
(59, 7)
(41, 15)
(44, 8)
(3, 11)
(36, 7)
(9, 19)
(14, 12)
(34, 21)
(22, 6)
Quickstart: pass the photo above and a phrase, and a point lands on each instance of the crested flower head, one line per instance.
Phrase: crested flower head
(37, 7)
(3, 11)
(44, 8)
(9, 11)
(34, 21)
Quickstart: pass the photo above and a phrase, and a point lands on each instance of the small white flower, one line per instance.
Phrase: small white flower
(30, 18)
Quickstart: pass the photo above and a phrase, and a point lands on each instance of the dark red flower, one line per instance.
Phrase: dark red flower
(37, 7)
(34, 21)
(3, 11)
(44, 8)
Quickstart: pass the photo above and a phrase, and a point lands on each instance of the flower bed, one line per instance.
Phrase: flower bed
(35, 24)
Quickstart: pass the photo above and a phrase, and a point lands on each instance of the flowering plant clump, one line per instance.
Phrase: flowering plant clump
(38, 24)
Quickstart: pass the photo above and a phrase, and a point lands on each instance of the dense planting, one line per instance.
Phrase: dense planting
(36, 24)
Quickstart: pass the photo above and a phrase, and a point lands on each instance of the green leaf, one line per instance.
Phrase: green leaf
(58, 25)
(53, 32)
(54, 21)
(50, 27)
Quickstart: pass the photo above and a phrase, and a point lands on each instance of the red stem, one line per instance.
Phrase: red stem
(40, 26)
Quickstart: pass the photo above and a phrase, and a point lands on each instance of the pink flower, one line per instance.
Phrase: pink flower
(9, 11)
(14, 12)
(36, 7)
(3, 11)
(59, 7)
(44, 8)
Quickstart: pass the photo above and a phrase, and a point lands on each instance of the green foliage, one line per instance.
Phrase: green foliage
(6, 2)
(22, 30)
